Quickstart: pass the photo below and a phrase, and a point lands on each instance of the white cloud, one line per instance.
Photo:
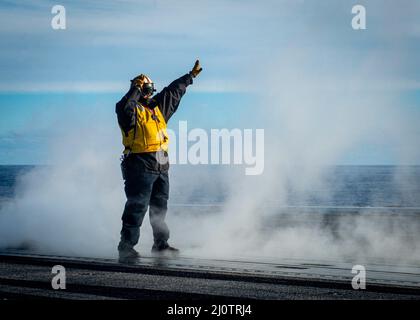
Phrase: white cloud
(211, 85)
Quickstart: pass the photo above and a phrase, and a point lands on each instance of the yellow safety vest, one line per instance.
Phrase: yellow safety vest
(149, 134)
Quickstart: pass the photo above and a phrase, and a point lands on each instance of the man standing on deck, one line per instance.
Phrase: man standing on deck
(142, 119)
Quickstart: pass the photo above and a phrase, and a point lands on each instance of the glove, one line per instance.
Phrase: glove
(196, 69)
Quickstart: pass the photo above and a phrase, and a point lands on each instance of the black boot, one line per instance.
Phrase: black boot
(127, 254)
(165, 250)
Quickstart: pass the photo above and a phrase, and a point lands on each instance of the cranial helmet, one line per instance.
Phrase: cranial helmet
(145, 84)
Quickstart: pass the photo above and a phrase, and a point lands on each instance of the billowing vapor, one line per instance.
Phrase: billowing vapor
(313, 117)
(71, 208)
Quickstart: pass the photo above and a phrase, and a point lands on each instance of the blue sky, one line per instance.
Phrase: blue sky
(54, 80)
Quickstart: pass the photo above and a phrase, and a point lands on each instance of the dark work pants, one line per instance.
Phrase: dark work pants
(144, 190)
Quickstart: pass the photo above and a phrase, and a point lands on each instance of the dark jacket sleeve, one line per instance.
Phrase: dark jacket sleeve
(168, 99)
(125, 110)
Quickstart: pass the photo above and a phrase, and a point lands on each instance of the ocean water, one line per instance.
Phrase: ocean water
(9, 176)
(370, 212)
(349, 186)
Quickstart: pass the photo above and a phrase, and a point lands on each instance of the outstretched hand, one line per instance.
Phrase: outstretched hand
(196, 69)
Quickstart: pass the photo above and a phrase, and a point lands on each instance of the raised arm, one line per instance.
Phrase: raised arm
(168, 99)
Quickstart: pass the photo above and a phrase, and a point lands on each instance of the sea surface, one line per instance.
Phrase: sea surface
(349, 186)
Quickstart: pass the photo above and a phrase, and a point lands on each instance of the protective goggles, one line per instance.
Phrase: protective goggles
(147, 89)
